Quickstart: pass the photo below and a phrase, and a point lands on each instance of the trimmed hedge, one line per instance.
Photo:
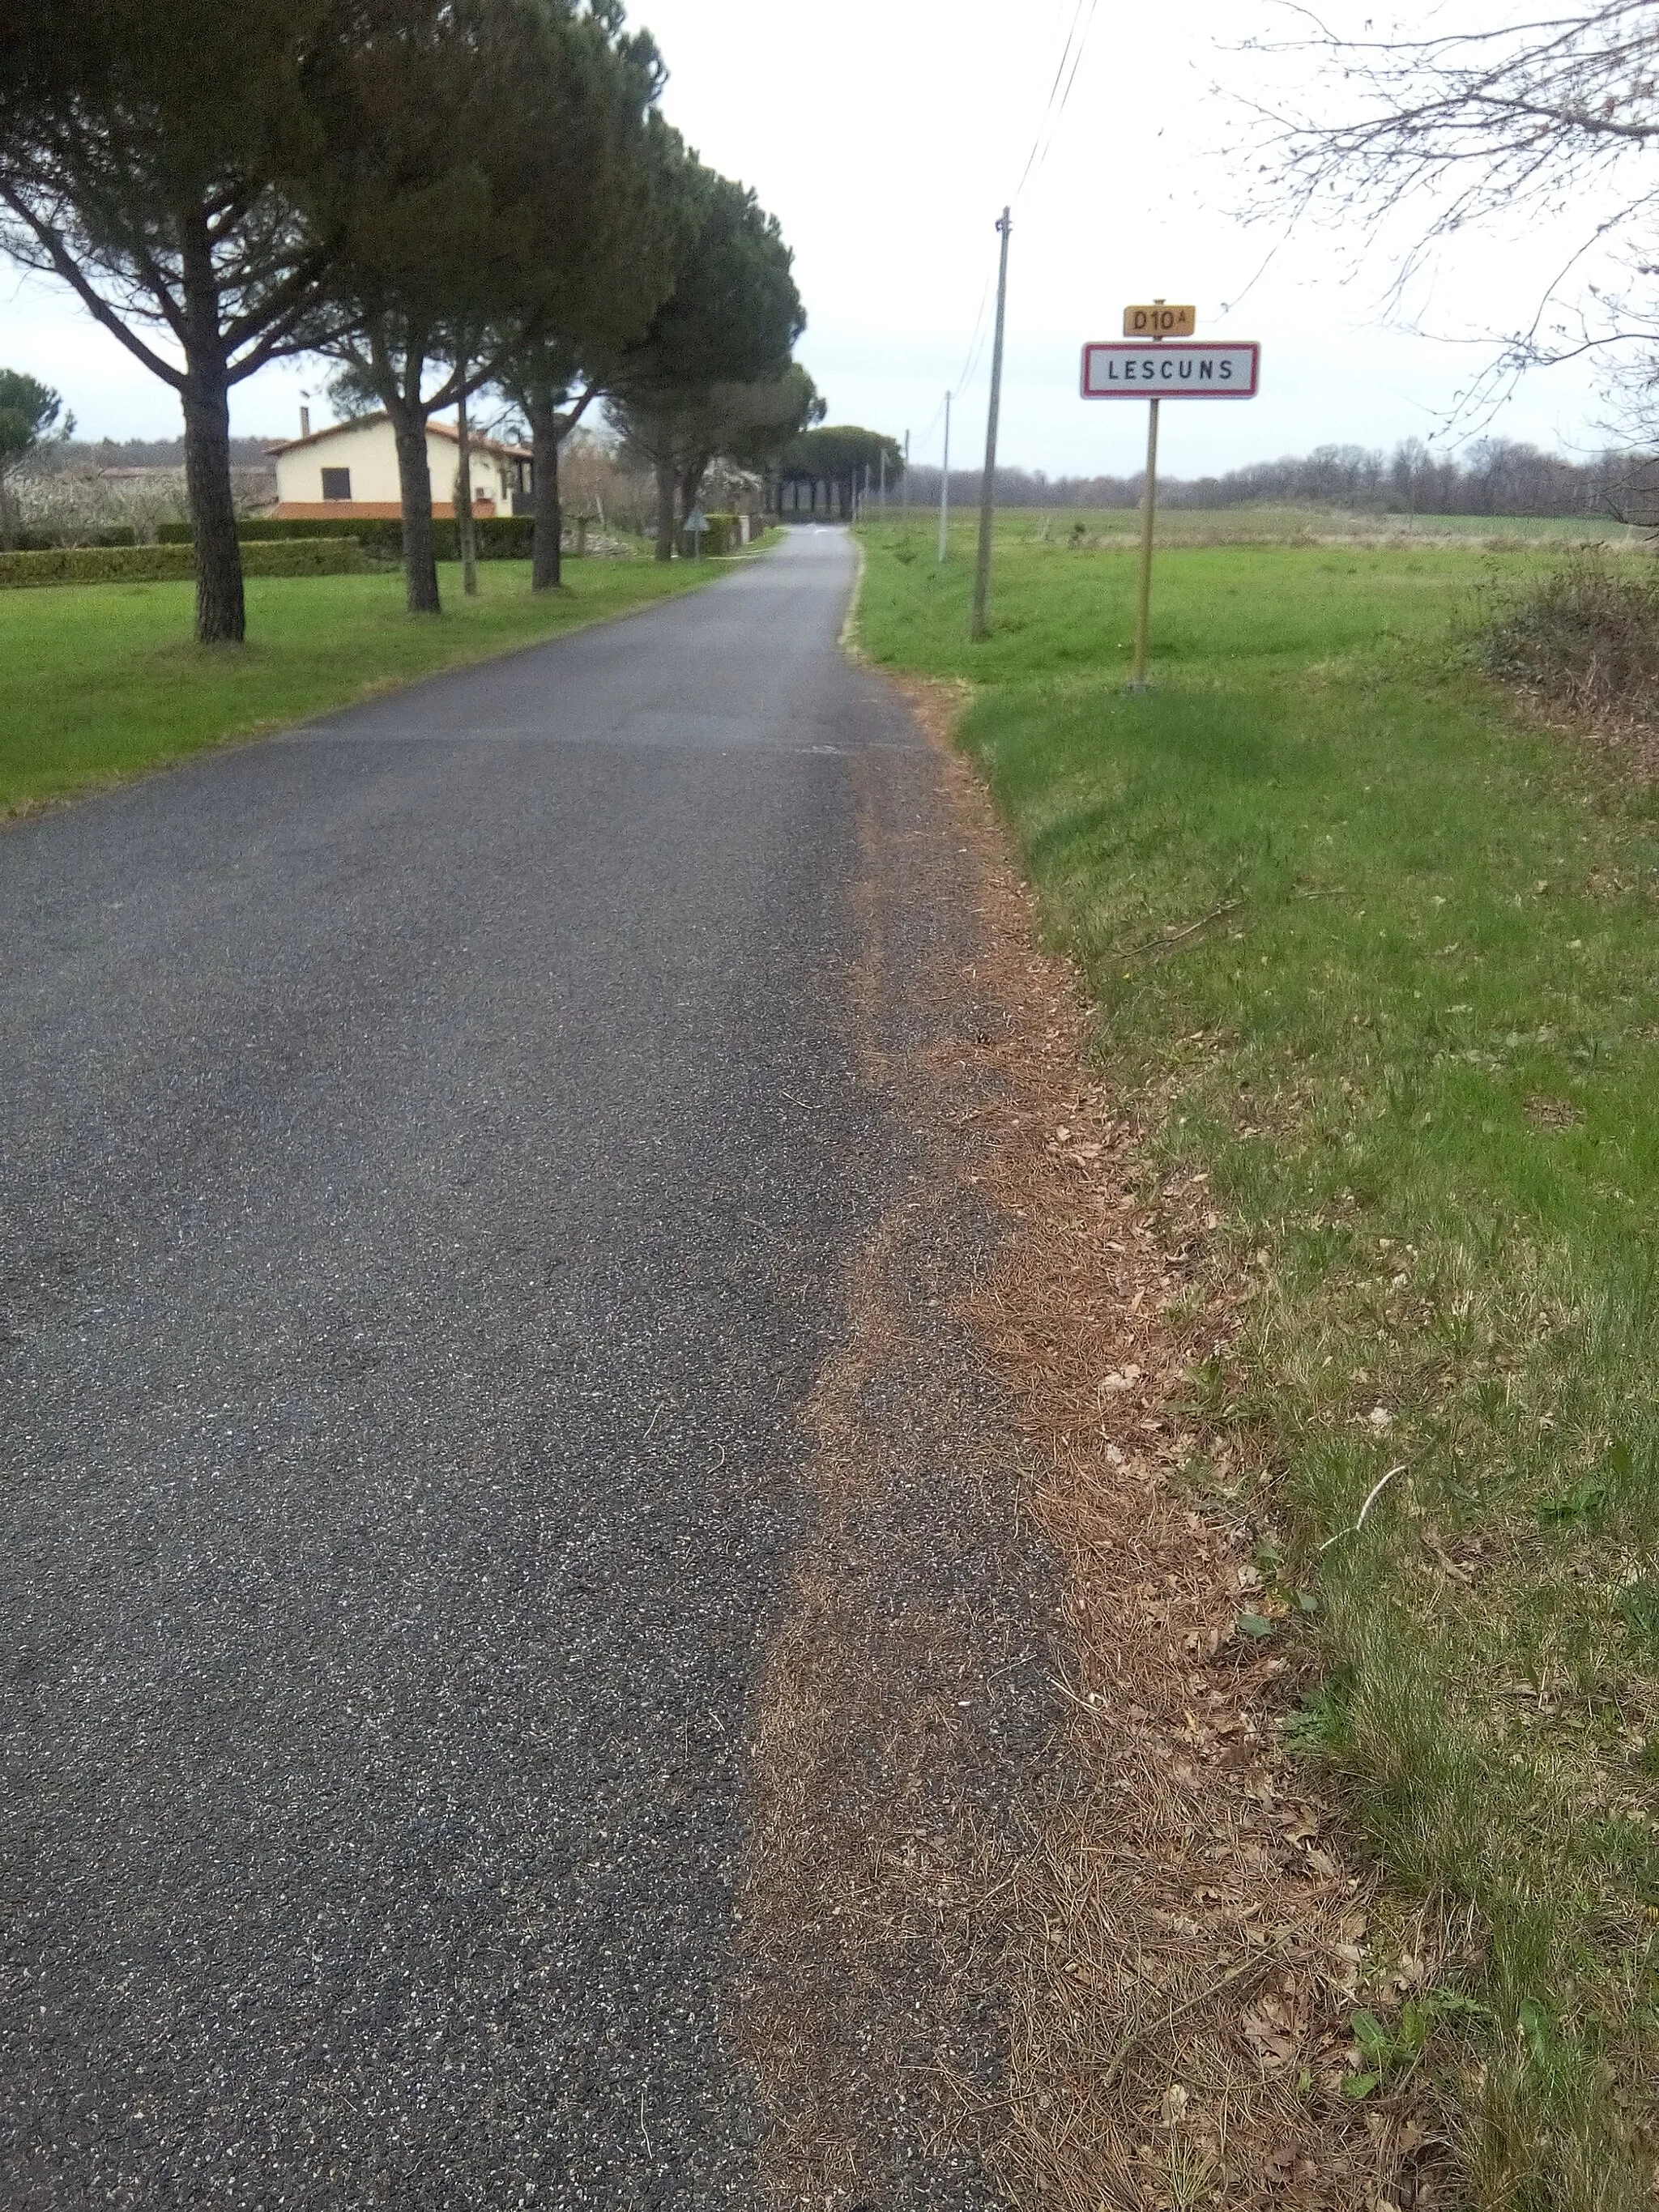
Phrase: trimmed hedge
(722, 537)
(500, 536)
(256, 530)
(157, 564)
(36, 541)
(305, 556)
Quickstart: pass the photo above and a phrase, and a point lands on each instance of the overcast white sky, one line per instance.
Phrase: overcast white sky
(886, 134)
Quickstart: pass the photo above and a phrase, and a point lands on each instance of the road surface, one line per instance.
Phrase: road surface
(430, 1146)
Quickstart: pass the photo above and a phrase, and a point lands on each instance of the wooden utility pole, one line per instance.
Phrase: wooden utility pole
(904, 487)
(981, 627)
(945, 483)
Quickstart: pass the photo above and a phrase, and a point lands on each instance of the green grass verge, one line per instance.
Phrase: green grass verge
(1413, 1036)
(99, 681)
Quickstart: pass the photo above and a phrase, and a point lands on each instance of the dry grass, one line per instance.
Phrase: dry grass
(1417, 1060)
(1194, 1944)
(1164, 1925)
(905, 1708)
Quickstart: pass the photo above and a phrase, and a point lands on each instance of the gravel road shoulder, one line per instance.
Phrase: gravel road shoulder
(1038, 1911)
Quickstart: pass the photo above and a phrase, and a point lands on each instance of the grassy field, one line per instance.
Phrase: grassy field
(1389, 951)
(103, 680)
(1119, 526)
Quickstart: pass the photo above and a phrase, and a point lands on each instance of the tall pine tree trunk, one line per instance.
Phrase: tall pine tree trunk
(466, 536)
(690, 485)
(220, 613)
(415, 490)
(546, 571)
(665, 509)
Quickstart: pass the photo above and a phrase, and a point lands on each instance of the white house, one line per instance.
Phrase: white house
(352, 470)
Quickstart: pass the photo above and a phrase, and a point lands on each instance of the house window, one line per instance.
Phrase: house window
(337, 483)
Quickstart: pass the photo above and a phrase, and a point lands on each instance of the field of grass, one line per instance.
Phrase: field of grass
(104, 680)
(1389, 951)
(1119, 526)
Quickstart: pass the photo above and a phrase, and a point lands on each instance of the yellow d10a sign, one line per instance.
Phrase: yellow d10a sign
(1160, 320)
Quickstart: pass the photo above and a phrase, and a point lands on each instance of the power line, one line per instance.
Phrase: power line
(1060, 71)
(976, 343)
(1042, 145)
(922, 436)
(1054, 111)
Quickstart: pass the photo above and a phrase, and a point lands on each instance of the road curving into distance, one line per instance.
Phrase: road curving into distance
(430, 1150)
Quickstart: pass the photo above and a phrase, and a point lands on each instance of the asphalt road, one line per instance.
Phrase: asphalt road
(429, 1144)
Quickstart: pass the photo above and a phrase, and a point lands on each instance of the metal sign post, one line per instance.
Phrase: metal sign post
(1157, 366)
(1144, 588)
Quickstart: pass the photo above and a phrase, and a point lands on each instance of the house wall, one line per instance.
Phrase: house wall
(370, 451)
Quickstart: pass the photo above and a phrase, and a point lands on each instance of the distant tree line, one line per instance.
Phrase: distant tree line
(148, 452)
(842, 461)
(1493, 476)
(439, 198)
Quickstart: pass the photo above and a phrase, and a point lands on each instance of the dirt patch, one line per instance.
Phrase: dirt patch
(907, 1719)
(1040, 1910)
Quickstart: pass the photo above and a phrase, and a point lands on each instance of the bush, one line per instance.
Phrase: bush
(722, 536)
(172, 563)
(500, 536)
(38, 541)
(1587, 634)
(305, 556)
(256, 530)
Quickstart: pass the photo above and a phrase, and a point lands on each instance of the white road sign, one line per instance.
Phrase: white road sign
(1178, 368)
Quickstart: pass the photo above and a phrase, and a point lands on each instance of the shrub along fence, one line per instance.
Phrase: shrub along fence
(500, 536)
(335, 555)
(722, 536)
(38, 541)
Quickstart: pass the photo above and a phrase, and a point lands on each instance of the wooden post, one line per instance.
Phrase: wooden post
(1144, 596)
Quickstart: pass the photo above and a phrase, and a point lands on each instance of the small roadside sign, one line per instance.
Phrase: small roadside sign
(1174, 368)
(697, 524)
(1158, 320)
(1156, 368)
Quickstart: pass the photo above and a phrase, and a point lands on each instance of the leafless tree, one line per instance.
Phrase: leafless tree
(1541, 116)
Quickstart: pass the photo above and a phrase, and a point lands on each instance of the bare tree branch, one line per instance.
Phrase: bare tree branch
(1469, 126)
(1476, 118)
(51, 254)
